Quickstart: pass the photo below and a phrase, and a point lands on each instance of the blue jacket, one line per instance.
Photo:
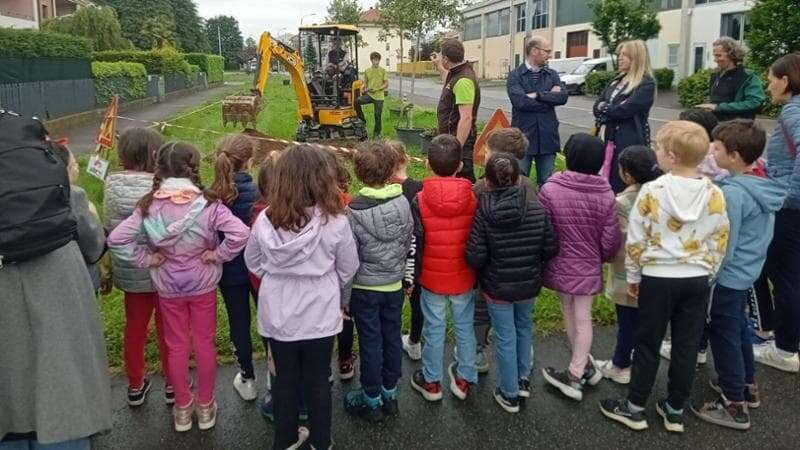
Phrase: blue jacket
(782, 166)
(751, 203)
(235, 272)
(536, 117)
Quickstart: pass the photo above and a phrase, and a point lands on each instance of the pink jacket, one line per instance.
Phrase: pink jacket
(180, 230)
(583, 211)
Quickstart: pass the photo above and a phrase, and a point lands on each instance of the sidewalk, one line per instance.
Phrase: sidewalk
(548, 421)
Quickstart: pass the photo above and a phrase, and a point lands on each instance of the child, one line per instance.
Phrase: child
(706, 119)
(302, 247)
(235, 187)
(581, 205)
(382, 224)
(751, 204)
(175, 232)
(637, 165)
(411, 187)
(509, 245)
(136, 151)
(376, 82)
(344, 340)
(443, 213)
(677, 235)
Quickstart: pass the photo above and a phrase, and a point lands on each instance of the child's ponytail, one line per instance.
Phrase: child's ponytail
(232, 155)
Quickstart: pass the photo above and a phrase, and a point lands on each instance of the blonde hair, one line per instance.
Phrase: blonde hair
(686, 140)
(640, 64)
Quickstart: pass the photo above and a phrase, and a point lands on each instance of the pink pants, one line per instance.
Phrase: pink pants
(577, 313)
(191, 322)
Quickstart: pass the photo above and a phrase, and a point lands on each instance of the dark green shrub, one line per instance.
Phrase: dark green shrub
(156, 62)
(212, 65)
(128, 80)
(37, 44)
(664, 78)
(597, 81)
(693, 90)
(193, 69)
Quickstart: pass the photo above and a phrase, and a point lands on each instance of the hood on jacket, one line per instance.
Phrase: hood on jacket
(580, 181)
(161, 232)
(447, 196)
(290, 249)
(373, 216)
(766, 193)
(688, 197)
(504, 208)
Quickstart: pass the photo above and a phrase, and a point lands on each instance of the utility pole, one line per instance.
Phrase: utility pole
(512, 33)
(219, 39)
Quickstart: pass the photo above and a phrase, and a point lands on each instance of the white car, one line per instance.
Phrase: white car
(576, 80)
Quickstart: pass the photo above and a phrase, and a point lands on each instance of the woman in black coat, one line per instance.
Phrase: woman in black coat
(624, 106)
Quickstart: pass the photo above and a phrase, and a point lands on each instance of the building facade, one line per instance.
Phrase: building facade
(495, 31)
(31, 13)
(374, 39)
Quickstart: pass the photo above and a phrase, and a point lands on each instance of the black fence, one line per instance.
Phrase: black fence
(48, 99)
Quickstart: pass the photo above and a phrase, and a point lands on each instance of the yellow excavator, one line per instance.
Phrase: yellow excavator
(326, 90)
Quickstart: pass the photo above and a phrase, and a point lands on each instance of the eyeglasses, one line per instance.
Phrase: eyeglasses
(546, 50)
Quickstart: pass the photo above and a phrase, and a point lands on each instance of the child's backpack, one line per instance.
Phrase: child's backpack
(35, 214)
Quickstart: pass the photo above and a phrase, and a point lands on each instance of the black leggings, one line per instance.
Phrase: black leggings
(416, 314)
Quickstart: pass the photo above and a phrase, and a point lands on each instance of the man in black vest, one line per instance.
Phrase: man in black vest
(736, 92)
(461, 97)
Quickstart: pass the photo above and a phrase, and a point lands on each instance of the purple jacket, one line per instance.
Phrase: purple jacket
(180, 232)
(583, 211)
(301, 275)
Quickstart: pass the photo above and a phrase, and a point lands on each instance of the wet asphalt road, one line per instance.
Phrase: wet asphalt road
(548, 420)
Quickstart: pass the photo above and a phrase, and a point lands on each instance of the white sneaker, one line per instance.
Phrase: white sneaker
(702, 357)
(666, 349)
(482, 362)
(770, 355)
(613, 373)
(414, 351)
(245, 387)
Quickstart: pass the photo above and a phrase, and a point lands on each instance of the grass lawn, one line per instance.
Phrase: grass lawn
(278, 119)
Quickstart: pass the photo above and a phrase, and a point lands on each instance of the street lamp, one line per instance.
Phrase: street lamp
(299, 42)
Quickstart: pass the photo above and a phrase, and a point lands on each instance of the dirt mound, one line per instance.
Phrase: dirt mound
(263, 147)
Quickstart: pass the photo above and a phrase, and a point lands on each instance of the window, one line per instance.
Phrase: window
(472, 28)
(520, 10)
(733, 25)
(557, 55)
(699, 58)
(672, 55)
(497, 22)
(387, 62)
(701, 2)
(539, 16)
(570, 12)
(596, 53)
(517, 60)
(387, 46)
(665, 5)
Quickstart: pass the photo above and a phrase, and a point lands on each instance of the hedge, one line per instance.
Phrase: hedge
(193, 69)
(39, 44)
(664, 78)
(212, 65)
(693, 90)
(128, 80)
(597, 81)
(156, 62)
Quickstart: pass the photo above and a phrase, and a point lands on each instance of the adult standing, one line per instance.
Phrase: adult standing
(457, 112)
(624, 106)
(783, 257)
(735, 92)
(535, 90)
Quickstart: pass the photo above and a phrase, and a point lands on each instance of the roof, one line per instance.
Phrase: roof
(331, 29)
(372, 15)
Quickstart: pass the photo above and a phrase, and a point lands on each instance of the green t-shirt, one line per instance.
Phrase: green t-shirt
(375, 79)
(464, 91)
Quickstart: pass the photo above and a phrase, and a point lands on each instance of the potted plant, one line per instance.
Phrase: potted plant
(406, 132)
(427, 137)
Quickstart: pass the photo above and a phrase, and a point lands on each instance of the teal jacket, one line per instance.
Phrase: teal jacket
(748, 101)
(751, 203)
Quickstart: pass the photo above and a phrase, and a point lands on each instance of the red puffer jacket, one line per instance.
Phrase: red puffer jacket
(444, 210)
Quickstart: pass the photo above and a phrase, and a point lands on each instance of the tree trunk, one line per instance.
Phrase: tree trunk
(401, 65)
(416, 59)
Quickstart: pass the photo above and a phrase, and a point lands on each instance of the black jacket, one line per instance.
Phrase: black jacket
(234, 272)
(510, 243)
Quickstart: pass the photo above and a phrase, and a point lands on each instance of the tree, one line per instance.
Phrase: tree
(133, 14)
(224, 30)
(249, 51)
(190, 34)
(98, 24)
(773, 30)
(344, 12)
(616, 21)
(310, 54)
(159, 32)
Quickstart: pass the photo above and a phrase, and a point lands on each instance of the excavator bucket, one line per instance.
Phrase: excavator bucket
(241, 109)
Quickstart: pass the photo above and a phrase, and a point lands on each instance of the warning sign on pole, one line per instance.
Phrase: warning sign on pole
(497, 121)
(98, 163)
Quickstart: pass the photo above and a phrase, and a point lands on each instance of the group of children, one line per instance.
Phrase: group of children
(317, 260)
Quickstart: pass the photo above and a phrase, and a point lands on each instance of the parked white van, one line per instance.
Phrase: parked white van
(576, 80)
(564, 66)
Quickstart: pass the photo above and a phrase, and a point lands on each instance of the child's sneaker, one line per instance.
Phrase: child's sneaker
(430, 391)
(771, 356)
(245, 387)
(136, 397)
(524, 388)
(725, 414)
(666, 352)
(482, 362)
(346, 369)
(511, 405)
(761, 339)
(267, 409)
(182, 417)
(414, 351)
(751, 395)
(673, 421)
(207, 416)
(563, 381)
(702, 357)
(614, 373)
(389, 400)
(358, 403)
(458, 386)
(620, 411)
(169, 395)
(591, 375)
(302, 436)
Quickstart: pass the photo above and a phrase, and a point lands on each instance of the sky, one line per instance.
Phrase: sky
(257, 16)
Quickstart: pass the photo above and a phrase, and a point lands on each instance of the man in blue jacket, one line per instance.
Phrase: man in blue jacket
(535, 90)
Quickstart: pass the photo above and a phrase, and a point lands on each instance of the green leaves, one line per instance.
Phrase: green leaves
(694, 89)
(225, 30)
(597, 81)
(212, 65)
(664, 78)
(773, 31)
(346, 12)
(128, 80)
(162, 62)
(98, 24)
(33, 44)
(616, 21)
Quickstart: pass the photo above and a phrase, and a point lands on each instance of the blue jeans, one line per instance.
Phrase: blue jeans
(30, 444)
(730, 341)
(545, 164)
(513, 331)
(378, 316)
(434, 309)
(627, 322)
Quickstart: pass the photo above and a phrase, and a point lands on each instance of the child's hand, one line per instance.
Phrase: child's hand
(156, 260)
(346, 313)
(633, 290)
(106, 285)
(209, 257)
(409, 290)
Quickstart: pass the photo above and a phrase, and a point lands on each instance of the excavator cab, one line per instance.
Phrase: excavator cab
(324, 77)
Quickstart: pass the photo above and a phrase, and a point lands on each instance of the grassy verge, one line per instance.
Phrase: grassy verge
(278, 119)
